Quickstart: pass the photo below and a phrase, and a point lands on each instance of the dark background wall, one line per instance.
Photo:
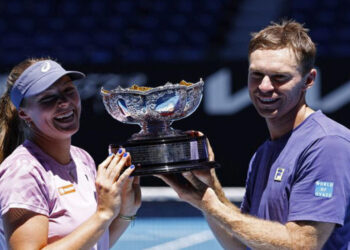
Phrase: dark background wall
(150, 42)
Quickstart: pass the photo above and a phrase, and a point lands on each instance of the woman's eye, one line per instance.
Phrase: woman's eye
(70, 90)
(48, 98)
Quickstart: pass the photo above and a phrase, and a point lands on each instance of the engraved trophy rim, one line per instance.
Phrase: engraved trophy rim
(166, 86)
(153, 109)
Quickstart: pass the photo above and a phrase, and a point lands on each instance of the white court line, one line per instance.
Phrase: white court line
(234, 194)
(183, 242)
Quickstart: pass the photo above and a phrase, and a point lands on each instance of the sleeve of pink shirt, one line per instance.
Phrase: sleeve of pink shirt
(86, 158)
(22, 185)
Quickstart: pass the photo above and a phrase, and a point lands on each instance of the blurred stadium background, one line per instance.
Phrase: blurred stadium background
(151, 42)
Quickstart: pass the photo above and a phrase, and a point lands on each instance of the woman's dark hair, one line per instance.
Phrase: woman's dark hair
(12, 128)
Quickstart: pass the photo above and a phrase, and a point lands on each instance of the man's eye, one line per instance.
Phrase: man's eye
(256, 75)
(280, 78)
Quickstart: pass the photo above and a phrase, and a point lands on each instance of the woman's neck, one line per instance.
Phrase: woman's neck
(57, 149)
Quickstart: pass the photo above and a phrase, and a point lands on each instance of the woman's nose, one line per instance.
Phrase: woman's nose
(62, 99)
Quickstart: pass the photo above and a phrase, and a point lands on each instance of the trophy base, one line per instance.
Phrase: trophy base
(174, 168)
(168, 155)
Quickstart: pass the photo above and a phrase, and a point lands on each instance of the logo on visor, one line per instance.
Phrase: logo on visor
(46, 67)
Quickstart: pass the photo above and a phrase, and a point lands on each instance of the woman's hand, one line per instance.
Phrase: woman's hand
(131, 196)
(111, 182)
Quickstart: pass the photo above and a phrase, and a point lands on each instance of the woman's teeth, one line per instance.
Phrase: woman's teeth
(65, 115)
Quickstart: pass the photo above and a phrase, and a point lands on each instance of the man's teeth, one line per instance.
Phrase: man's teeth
(267, 99)
(65, 115)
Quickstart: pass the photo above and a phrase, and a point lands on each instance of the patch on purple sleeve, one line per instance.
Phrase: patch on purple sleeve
(324, 189)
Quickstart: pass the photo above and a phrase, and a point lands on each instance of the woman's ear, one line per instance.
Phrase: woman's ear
(23, 115)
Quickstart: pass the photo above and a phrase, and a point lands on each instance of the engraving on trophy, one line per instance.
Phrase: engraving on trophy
(157, 147)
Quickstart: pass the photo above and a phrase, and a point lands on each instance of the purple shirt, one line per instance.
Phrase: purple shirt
(66, 194)
(304, 176)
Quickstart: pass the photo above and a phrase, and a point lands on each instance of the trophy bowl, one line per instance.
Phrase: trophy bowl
(157, 147)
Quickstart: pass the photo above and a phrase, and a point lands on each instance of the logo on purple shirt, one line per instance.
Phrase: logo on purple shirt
(279, 174)
(324, 189)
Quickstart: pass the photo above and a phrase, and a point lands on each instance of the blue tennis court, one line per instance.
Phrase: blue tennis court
(168, 233)
(164, 222)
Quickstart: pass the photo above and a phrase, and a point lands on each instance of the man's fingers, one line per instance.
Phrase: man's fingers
(210, 151)
(204, 175)
(194, 133)
(197, 184)
(199, 133)
(172, 181)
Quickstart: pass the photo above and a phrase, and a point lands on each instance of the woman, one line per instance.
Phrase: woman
(50, 194)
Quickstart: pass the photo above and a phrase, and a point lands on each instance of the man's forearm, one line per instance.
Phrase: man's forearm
(253, 232)
(225, 238)
(232, 227)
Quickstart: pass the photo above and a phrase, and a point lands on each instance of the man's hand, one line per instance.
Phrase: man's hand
(194, 191)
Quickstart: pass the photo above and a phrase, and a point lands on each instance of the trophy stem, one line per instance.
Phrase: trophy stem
(156, 128)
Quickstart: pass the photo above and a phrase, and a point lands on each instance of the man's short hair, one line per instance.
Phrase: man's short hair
(287, 34)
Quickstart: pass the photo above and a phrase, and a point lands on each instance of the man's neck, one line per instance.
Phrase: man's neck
(285, 124)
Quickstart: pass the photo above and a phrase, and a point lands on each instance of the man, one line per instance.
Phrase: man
(298, 183)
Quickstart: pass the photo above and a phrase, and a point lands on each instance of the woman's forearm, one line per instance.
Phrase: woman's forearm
(85, 236)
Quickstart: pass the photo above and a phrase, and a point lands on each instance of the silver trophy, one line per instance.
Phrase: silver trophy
(158, 148)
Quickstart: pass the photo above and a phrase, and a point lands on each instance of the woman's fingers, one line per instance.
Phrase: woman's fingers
(136, 180)
(114, 164)
(117, 166)
(137, 189)
(124, 176)
(103, 165)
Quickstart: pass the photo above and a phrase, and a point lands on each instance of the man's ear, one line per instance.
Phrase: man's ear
(310, 79)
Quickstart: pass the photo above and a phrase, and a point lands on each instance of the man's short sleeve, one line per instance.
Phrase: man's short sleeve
(22, 185)
(246, 203)
(320, 191)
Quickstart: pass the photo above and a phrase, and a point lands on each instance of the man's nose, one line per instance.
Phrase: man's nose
(266, 85)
